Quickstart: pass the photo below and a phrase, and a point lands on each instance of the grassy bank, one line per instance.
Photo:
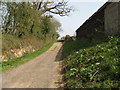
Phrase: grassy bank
(92, 65)
(12, 45)
(18, 61)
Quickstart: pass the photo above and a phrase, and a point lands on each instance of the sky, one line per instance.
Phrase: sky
(83, 10)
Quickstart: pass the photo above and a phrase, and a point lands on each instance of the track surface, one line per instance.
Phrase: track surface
(40, 72)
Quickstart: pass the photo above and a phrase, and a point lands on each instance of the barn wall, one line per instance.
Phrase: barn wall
(88, 30)
(112, 19)
(119, 17)
(106, 21)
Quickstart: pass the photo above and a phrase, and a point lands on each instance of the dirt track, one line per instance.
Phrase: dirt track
(41, 72)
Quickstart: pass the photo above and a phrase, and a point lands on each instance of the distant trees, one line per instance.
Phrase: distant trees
(70, 38)
(67, 37)
(25, 18)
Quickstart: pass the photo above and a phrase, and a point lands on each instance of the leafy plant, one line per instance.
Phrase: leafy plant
(92, 66)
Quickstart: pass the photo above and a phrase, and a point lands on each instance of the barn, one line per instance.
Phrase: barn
(104, 22)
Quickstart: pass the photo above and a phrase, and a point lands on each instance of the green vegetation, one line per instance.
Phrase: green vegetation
(88, 65)
(13, 45)
(18, 61)
(30, 24)
(27, 27)
(22, 19)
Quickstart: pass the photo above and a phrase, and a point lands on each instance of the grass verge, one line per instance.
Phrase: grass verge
(18, 61)
(92, 66)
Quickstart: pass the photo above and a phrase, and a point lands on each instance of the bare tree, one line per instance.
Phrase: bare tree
(61, 8)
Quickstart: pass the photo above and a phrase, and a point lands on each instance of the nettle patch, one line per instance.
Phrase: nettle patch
(97, 66)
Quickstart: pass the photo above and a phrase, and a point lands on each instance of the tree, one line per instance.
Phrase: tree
(67, 37)
(61, 8)
(24, 18)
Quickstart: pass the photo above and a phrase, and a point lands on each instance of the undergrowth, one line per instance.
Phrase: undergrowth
(92, 66)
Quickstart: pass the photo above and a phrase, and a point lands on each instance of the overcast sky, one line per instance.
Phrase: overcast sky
(83, 10)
